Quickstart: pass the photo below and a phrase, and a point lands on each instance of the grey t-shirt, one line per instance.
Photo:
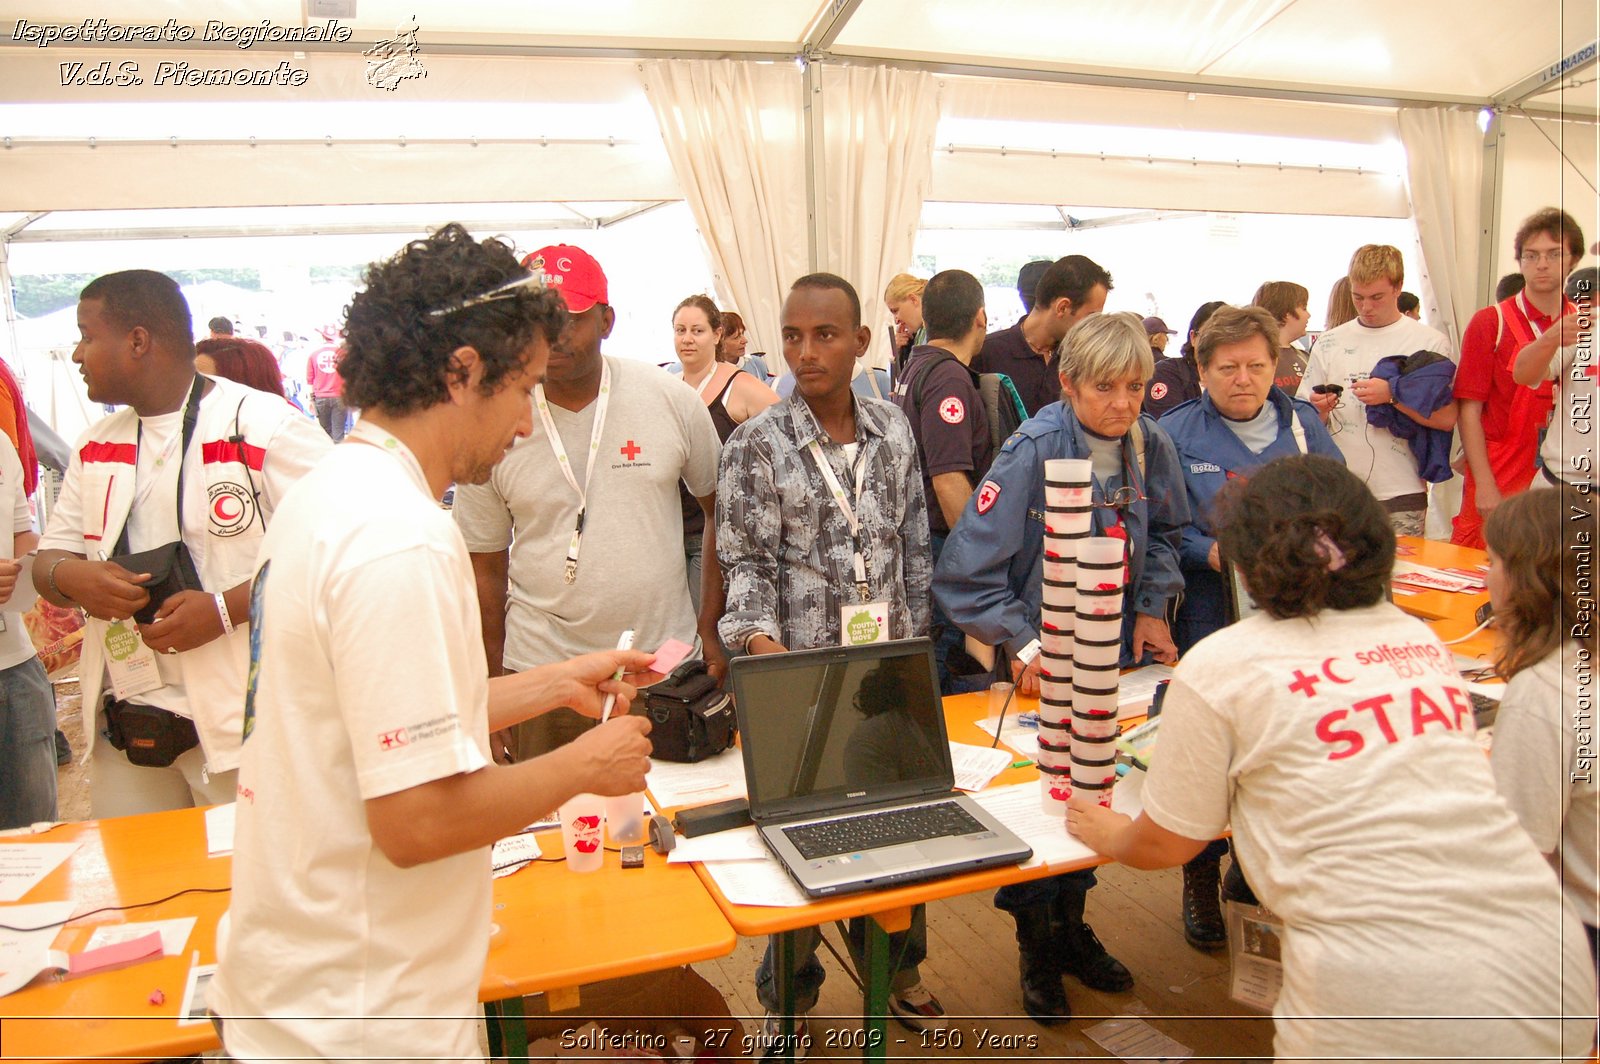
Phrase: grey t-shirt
(631, 565)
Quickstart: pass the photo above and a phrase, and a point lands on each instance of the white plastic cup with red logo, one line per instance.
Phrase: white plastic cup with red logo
(583, 818)
(1068, 470)
(1055, 787)
(1061, 570)
(1073, 524)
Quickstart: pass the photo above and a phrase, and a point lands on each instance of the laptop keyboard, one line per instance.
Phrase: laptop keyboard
(889, 827)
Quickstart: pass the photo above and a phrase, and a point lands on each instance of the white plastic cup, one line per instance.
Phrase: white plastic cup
(583, 818)
(1095, 705)
(1056, 644)
(1095, 656)
(1068, 470)
(1000, 693)
(1055, 713)
(1055, 758)
(625, 819)
(1075, 495)
(1072, 525)
(1056, 690)
(1094, 727)
(1064, 570)
(1092, 774)
(1053, 794)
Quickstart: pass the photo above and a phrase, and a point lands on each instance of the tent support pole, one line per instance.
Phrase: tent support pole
(1490, 199)
(816, 168)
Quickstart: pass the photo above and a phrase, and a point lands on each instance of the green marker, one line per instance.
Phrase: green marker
(1023, 763)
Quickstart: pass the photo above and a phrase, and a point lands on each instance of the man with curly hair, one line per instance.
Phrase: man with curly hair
(367, 797)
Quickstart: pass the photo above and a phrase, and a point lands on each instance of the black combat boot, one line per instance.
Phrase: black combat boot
(1203, 925)
(1080, 952)
(1042, 995)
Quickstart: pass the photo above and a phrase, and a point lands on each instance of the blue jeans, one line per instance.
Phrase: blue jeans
(908, 947)
(27, 745)
(331, 415)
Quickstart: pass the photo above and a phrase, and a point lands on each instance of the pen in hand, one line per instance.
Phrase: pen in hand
(625, 643)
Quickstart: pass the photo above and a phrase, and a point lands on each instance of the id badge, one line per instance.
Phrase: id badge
(863, 622)
(132, 665)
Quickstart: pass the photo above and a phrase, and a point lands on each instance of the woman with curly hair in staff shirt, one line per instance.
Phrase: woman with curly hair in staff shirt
(1334, 734)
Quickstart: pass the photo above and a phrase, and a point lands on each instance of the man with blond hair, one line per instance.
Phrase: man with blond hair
(1385, 449)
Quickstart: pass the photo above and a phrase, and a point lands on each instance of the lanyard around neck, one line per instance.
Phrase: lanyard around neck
(601, 403)
(191, 414)
(842, 501)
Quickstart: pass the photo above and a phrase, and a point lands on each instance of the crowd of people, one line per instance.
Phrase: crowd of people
(386, 687)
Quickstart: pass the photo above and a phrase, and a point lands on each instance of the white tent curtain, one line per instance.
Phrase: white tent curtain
(879, 126)
(735, 135)
(1444, 172)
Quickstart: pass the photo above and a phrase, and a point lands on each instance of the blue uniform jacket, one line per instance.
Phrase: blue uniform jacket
(1211, 454)
(989, 577)
(1423, 384)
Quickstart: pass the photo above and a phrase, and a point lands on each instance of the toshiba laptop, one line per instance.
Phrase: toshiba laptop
(848, 768)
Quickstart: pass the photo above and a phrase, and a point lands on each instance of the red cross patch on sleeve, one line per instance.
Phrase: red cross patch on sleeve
(988, 495)
(1158, 390)
(953, 411)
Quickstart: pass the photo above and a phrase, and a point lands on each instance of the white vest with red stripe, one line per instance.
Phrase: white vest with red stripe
(224, 518)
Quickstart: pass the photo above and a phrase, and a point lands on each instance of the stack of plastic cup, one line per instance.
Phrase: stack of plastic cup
(1068, 511)
(1096, 648)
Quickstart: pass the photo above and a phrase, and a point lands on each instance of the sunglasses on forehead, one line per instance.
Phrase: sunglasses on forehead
(508, 290)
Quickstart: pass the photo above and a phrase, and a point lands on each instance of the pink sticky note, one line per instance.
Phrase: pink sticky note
(135, 949)
(669, 654)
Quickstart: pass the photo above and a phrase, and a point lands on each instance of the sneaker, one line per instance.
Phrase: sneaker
(917, 1009)
(772, 1040)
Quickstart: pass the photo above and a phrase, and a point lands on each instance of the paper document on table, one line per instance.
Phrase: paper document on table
(24, 954)
(756, 883)
(1137, 687)
(739, 844)
(194, 1009)
(219, 829)
(713, 780)
(1023, 740)
(1017, 807)
(1430, 579)
(977, 765)
(24, 864)
(174, 934)
(512, 854)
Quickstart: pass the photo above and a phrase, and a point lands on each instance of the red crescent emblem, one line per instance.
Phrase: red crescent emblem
(1327, 670)
(227, 509)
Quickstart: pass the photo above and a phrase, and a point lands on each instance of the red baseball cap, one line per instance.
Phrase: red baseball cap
(573, 273)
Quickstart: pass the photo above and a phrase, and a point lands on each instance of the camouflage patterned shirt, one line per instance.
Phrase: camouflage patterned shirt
(785, 547)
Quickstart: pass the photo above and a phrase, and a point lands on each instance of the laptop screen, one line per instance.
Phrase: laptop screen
(841, 726)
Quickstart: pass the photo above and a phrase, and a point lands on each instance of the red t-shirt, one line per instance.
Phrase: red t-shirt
(1512, 413)
(322, 372)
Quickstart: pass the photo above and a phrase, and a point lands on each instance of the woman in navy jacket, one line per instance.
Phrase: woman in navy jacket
(1238, 425)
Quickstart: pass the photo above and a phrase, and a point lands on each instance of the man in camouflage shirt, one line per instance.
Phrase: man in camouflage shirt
(822, 532)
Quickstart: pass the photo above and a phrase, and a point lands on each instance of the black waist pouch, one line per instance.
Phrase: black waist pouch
(691, 718)
(152, 737)
(171, 569)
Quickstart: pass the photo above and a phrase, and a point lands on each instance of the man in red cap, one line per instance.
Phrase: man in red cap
(569, 553)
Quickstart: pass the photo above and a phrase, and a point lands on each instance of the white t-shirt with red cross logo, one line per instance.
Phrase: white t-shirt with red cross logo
(1341, 750)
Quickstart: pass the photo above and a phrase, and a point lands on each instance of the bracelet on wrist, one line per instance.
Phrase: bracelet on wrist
(222, 611)
(50, 579)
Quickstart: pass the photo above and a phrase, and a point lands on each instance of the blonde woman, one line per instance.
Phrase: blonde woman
(903, 297)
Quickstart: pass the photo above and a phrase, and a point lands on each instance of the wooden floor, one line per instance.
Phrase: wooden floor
(972, 969)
